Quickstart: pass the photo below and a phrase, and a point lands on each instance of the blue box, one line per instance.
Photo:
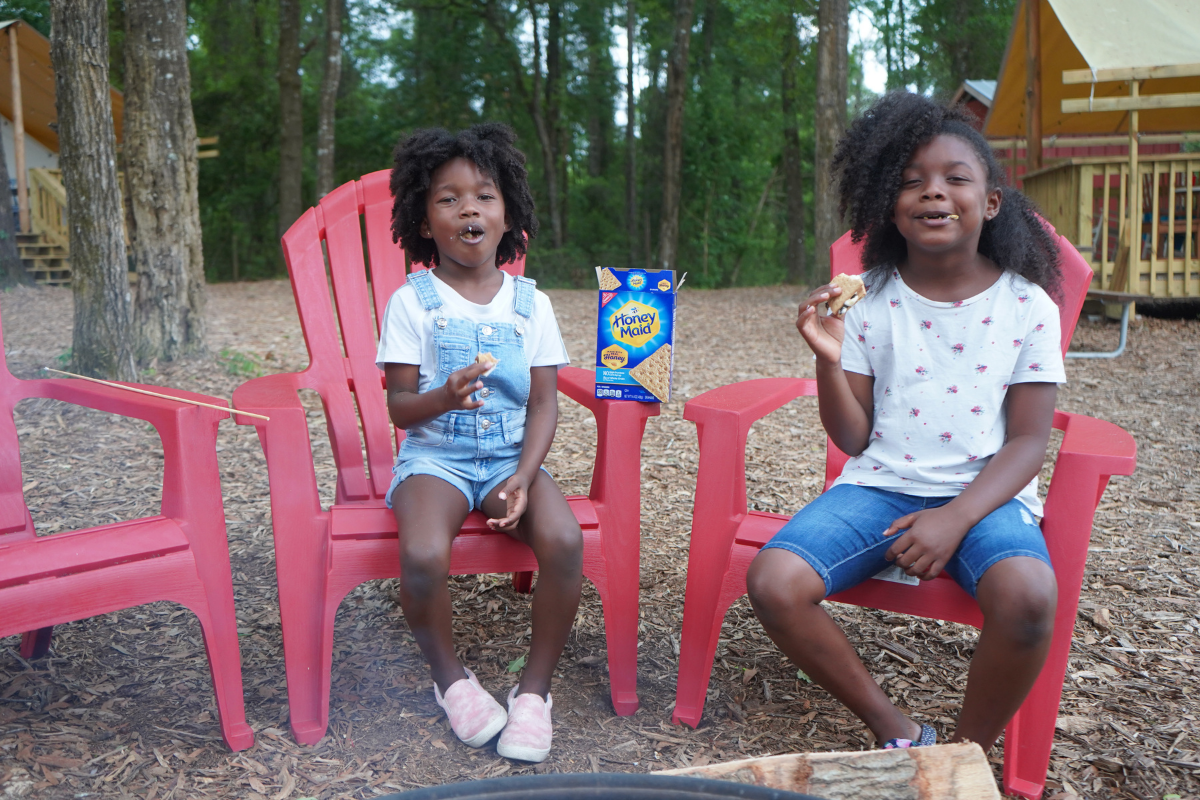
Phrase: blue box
(635, 334)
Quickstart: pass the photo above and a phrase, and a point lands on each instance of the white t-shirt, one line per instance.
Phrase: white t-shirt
(942, 372)
(407, 334)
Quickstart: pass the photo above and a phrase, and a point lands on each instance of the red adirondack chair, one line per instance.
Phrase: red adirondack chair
(726, 536)
(321, 554)
(180, 555)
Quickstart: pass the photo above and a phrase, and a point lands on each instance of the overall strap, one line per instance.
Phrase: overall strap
(523, 296)
(422, 281)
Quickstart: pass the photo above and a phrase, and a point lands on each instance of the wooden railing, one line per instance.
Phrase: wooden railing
(48, 205)
(1086, 201)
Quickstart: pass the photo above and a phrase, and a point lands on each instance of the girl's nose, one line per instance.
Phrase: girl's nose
(934, 191)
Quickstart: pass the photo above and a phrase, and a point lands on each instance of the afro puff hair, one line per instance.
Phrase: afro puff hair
(490, 147)
(868, 164)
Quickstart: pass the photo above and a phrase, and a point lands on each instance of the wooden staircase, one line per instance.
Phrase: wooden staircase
(47, 262)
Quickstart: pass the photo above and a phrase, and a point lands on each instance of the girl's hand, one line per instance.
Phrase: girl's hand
(824, 334)
(930, 540)
(515, 494)
(456, 391)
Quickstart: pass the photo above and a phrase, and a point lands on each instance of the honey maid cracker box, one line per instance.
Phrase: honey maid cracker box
(635, 334)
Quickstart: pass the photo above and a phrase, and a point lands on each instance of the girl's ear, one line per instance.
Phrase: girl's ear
(994, 199)
(507, 222)
(426, 233)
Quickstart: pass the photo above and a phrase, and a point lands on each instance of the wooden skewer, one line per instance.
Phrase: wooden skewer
(156, 394)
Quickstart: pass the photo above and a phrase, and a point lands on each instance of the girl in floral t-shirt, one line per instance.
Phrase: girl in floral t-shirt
(941, 385)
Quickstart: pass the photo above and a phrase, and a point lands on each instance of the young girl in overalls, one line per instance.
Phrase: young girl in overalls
(940, 385)
(477, 433)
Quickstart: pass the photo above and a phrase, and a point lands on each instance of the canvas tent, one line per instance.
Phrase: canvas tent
(1151, 38)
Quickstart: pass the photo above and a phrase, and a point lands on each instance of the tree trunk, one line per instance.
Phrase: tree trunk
(793, 183)
(677, 71)
(101, 341)
(554, 120)
(11, 271)
(161, 176)
(833, 33)
(329, 90)
(291, 132)
(630, 139)
(497, 18)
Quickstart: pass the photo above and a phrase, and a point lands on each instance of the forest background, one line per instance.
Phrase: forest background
(407, 64)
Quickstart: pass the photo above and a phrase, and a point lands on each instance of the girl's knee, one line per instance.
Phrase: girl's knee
(780, 582)
(422, 567)
(561, 549)
(1023, 607)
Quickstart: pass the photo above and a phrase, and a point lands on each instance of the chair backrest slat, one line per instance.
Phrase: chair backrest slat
(344, 245)
(326, 373)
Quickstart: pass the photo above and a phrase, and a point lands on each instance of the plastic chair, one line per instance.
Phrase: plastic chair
(726, 536)
(181, 555)
(321, 554)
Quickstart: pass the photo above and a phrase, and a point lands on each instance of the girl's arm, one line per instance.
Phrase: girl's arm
(541, 422)
(409, 408)
(846, 399)
(935, 534)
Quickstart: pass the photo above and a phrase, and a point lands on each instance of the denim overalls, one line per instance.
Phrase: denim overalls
(472, 450)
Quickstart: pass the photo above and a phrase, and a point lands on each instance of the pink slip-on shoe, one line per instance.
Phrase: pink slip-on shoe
(475, 716)
(526, 737)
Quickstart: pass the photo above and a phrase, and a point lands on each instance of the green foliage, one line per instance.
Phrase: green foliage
(239, 364)
(35, 12)
(412, 63)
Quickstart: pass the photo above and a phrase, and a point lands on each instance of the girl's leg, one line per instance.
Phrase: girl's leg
(1018, 597)
(430, 512)
(786, 593)
(552, 532)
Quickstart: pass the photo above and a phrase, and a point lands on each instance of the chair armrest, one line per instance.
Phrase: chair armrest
(191, 488)
(723, 418)
(285, 442)
(1105, 448)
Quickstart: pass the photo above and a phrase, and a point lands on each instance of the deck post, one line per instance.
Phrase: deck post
(1033, 86)
(1135, 204)
(18, 131)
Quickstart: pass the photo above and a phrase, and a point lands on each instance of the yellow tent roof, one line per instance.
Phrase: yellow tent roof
(1099, 35)
(37, 85)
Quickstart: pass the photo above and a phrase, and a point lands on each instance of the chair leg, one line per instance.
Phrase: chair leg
(522, 582)
(616, 582)
(704, 610)
(307, 612)
(225, 668)
(35, 644)
(1029, 737)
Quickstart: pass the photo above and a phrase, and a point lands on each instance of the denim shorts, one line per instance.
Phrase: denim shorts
(474, 453)
(840, 535)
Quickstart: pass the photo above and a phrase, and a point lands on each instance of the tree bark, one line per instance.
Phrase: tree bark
(941, 772)
(161, 176)
(11, 270)
(793, 182)
(291, 120)
(328, 105)
(833, 34)
(631, 226)
(677, 72)
(101, 340)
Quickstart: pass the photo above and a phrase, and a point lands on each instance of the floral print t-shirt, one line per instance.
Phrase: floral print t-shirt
(942, 372)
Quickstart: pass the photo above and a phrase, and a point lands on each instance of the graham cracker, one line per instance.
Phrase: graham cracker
(655, 373)
(489, 359)
(608, 281)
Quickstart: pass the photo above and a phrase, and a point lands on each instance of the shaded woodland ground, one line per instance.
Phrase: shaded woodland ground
(123, 706)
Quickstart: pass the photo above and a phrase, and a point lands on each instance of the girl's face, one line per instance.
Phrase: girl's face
(943, 180)
(464, 214)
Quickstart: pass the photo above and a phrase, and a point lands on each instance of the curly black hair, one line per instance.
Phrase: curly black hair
(868, 163)
(490, 146)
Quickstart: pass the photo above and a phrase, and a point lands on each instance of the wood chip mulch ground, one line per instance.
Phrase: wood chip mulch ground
(123, 706)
